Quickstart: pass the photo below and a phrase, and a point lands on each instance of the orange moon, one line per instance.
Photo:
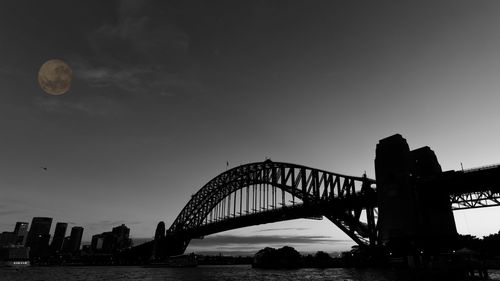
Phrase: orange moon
(55, 77)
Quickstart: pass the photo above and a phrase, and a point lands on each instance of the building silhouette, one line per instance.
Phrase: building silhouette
(160, 231)
(411, 218)
(97, 243)
(21, 230)
(159, 242)
(73, 242)
(66, 245)
(59, 234)
(121, 234)
(38, 237)
(102, 243)
(112, 241)
(8, 238)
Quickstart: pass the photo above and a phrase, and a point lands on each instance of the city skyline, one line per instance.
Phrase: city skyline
(166, 96)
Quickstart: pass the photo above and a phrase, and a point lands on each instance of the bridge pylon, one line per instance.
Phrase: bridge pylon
(411, 218)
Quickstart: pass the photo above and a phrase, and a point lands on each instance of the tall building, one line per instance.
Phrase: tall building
(66, 245)
(38, 237)
(109, 242)
(40, 225)
(8, 239)
(21, 230)
(59, 234)
(112, 241)
(121, 234)
(97, 244)
(75, 239)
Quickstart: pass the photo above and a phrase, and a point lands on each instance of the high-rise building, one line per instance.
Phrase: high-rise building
(8, 239)
(103, 243)
(21, 231)
(121, 234)
(97, 244)
(40, 225)
(66, 245)
(75, 239)
(38, 237)
(112, 241)
(59, 234)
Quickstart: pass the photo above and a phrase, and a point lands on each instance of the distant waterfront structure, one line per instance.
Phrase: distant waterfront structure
(59, 234)
(21, 230)
(38, 237)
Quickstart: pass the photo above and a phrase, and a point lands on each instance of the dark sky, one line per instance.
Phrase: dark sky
(165, 92)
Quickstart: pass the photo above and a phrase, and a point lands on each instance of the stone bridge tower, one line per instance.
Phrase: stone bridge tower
(414, 217)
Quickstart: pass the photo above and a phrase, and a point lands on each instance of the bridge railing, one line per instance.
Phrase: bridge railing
(481, 168)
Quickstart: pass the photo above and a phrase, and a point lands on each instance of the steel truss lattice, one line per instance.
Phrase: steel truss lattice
(479, 199)
(338, 197)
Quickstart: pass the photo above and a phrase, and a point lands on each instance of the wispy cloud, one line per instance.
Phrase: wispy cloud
(108, 224)
(283, 229)
(248, 245)
(141, 52)
(91, 105)
(12, 212)
(17, 207)
(136, 79)
(138, 53)
(226, 240)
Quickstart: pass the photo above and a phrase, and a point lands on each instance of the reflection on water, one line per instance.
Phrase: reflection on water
(208, 273)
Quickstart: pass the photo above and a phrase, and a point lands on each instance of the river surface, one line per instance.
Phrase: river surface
(202, 273)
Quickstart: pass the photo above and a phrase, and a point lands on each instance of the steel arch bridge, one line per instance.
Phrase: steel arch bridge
(268, 191)
(265, 192)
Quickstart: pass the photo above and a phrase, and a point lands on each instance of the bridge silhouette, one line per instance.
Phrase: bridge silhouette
(408, 208)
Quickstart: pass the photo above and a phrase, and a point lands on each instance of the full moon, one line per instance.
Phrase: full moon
(55, 77)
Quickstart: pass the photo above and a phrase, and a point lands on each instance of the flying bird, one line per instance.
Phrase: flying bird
(44, 168)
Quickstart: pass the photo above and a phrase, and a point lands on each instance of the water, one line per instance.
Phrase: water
(201, 273)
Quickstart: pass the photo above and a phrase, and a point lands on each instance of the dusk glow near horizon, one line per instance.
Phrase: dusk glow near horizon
(167, 95)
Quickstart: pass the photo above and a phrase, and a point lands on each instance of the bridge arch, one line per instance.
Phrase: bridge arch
(339, 197)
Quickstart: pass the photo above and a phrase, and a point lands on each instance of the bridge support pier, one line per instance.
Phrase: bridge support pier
(412, 219)
(169, 245)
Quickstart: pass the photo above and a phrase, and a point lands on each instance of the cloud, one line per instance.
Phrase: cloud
(138, 53)
(248, 245)
(88, 105)
(228, 240)
(108, 224)
(142, 38)
(12, 212)
(137, 79)
(283, 229)
(11, 209)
